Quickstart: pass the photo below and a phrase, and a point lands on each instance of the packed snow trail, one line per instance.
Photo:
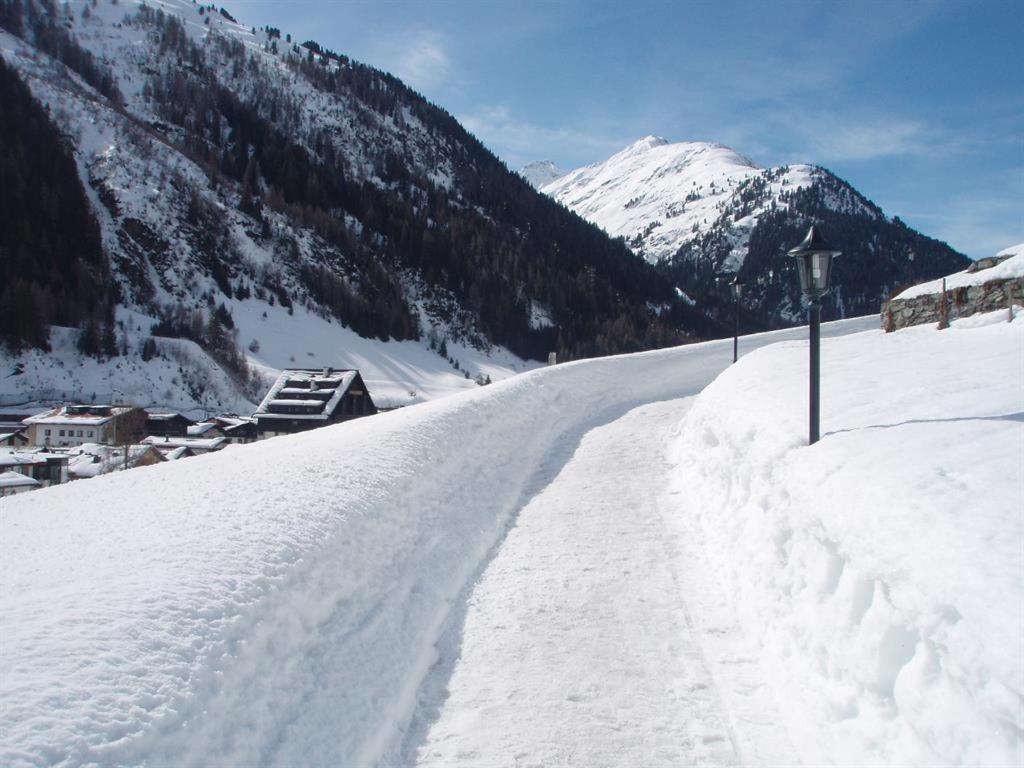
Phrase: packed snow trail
(576, 648)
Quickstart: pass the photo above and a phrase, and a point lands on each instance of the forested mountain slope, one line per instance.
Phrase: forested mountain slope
(224, 164)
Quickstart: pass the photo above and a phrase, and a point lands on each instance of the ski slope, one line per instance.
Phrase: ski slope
(335, 598)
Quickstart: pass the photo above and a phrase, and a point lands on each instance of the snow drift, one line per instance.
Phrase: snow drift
(880, 572)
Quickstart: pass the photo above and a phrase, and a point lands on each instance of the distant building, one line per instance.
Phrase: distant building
(15, 482)
(73, 425)
(206, 429)
(307, 398)
(237, 429)
(16, 438)
(93, 459)
(196, 445)
(44, 467)
(167, 424)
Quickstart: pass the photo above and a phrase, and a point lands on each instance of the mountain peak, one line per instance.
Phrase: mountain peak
(541, 172)
(646, 143)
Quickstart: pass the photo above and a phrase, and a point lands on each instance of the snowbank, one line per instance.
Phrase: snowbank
(1011, 267)
(881, 571)
(279, 603)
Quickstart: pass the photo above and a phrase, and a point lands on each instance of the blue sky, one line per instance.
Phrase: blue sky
(920, 105)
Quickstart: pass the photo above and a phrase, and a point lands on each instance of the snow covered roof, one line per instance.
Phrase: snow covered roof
(16, 479)
(196, 443)
(198, 430)
(92, 459)
(165, 416)
(12, 458)
(9, 435)
(82, 415)
(289, 397)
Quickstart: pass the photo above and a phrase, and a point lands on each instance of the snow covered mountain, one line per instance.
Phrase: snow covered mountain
(658, 195)
(541, 173)
(224, 176)
(699, 209)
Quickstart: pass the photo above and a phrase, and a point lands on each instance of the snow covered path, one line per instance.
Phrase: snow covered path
(576, 648)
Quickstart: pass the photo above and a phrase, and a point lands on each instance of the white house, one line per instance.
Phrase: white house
(73, 425)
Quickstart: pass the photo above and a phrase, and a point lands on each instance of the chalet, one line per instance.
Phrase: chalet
(167, 424)
(305, 398)
(73, 425)
(42, 466)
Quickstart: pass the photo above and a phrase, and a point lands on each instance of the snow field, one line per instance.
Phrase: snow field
(879, 573)
(279, 603)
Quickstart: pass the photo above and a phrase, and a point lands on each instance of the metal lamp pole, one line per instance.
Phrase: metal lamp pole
(814, 263)
(737, 291)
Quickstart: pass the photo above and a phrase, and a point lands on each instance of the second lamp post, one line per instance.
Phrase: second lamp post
(737, 293)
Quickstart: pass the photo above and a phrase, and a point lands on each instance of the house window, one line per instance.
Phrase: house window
(46, 432)
(61, 433)
(79, 433)
(90, 433)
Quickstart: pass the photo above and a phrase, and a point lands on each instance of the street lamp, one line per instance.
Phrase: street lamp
(814, 263)
(737, 292)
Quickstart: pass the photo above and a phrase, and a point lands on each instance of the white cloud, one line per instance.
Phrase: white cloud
(420, 59)
(519, 142)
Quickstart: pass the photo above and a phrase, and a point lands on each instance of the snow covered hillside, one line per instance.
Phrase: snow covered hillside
(183, 377)
(228, 610)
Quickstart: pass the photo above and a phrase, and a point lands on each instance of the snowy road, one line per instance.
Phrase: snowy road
(577, 647)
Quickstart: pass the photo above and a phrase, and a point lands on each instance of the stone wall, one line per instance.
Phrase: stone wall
(943, 308)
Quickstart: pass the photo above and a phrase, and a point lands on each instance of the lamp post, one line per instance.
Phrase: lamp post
(737, 292)
(814, 263)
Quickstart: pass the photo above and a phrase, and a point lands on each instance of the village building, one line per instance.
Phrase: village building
(93, 459)
(304, 398)
(45, 467)
(15, 482)
(196, 445)
(13, 438)
(181, 452)
(237, 429)
(73, 425)
(167, 424)
(206, 429)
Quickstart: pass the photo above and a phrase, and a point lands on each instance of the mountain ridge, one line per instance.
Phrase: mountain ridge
(700, 209)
